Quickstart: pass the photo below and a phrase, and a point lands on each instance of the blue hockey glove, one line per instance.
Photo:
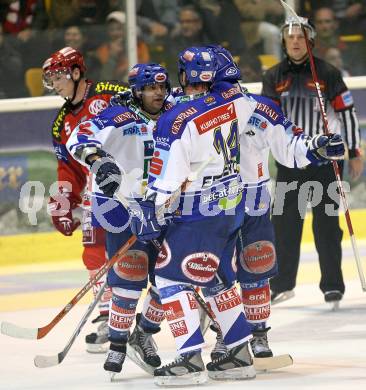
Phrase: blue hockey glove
(323, 148)
(144, 224)
(107, 175)
(121, 99)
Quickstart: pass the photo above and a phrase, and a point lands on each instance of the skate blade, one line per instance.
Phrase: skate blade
(334, 305)
(195, 378)
(135, 357)
(273, 363)
(285, 296)
(237, 373)
(97, 348)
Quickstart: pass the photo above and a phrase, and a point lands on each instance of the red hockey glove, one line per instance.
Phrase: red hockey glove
(60, 208)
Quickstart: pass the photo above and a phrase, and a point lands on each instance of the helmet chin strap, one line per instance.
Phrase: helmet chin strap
(76, 84)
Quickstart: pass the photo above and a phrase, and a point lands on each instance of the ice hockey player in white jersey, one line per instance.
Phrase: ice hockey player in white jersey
(120, 140)
(268, 130)
(202, 127)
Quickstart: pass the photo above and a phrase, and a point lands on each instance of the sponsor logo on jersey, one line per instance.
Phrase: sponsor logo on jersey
(270, 112)
(230, 92)
(227, 300)
(126, 116)
(58, 124)
(347, 98)
(200, 267)
(250, 133)
(133, 266)
(283, 86)
(135, 130)
(215, 117)
(313, 86)
(177, 124)
(260, 170)
(108, 86)
(258, 122)
(173, 310)
(162, 143)
(178, 328)
(97, 106)
(193, 304)
(164, 256)
(156, 164)
(258, 257)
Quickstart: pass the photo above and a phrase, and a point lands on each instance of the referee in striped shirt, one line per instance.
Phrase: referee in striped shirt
(290, 84)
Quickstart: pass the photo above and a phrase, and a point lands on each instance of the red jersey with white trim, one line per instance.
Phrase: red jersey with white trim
(96, 99)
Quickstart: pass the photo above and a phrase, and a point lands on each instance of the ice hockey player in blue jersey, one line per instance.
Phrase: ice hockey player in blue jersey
(120, 140)
(202, 127)
(268, 130)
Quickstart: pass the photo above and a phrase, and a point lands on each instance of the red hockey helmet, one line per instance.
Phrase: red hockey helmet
(62, 62)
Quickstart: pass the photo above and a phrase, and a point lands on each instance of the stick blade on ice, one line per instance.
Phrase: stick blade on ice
(42, 361)
(12, 330)
(273, 363)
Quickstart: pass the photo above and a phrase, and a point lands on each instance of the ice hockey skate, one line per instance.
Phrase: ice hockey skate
(237, 363)
(186, 369)
(141, 349)
(333, 297)
(259, 343)
(278, 297)
(97, 342)
(115, 358)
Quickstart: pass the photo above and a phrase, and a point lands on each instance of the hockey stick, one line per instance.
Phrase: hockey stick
(13, 330)
(42, 361)
(334, 163)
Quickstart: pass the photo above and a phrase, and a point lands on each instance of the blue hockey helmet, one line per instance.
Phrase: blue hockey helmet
(227, 69)
(142, 75)
(198, 63)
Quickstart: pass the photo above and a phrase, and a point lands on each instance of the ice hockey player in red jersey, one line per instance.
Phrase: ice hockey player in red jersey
(65, 73)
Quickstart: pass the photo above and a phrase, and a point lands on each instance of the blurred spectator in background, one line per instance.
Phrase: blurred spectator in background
(260, 36)
(215, 15)
(11, 70)
(334, 57)
(328, 36)
(76, 38)
(349, 13)
(112, 54)
(251, 69)
(156, 18)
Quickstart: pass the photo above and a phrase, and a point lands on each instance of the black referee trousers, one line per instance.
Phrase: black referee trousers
(288, 228)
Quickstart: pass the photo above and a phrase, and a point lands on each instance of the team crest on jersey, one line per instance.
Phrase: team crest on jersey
(200, 267)
(97, 106)
(210, 100)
